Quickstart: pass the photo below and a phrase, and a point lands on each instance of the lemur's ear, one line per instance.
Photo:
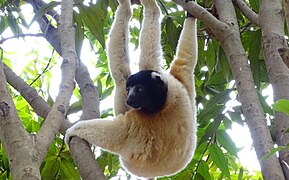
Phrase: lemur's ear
(159, 77)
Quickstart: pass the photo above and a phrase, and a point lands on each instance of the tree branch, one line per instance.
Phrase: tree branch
(20, 35)
(59, 109)
(81, 152)
(90, 110)
(228, 33)
(251, 15)
(251, 105)
(272, 26)
(14, 137)
(38, 104)
(202, 14)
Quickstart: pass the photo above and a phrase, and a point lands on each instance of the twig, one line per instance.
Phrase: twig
(44, 70)
(164, 8)
(21, 35)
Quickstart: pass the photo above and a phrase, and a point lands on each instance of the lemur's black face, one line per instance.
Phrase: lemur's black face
(146, 91)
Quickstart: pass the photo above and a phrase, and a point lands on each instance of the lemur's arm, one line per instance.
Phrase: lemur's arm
(104, 133)
(183, 66)
(150, 45)
(118, 54)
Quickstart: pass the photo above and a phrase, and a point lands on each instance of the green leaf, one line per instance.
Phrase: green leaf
(219, 159)
(210, 55)
(184, 175)
(216, 79)
(94, 16)
(4, 158)
(203, 170)
(213, 107)
(241, 172)
(255, 5)
(211, 129)
(225, 66)
(173, 33)
(3, 25)
(282, 105)
(274, 150)
(68, 169)
(236, 117)
(253, 55)
(13, 23)
(106, 93)
(225, 140)
(43, 10)
(79, 33)
(75, 107)
(50, 168)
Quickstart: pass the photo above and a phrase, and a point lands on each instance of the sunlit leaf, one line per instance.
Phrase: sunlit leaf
(203, 169)
(219, 159)
(51, 168)
(282, 105)
(225, 140)
(274, 150)
(43, 10)
(94, 16)
(225, 66)
(211, 129)
(68, 169)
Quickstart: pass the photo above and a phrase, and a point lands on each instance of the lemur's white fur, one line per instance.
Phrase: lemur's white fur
(157, 144)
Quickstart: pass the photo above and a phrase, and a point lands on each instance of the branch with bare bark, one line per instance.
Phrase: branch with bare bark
(38, 104)
(251, 15)
(81, 152)
(14, 137)
(227, 31)
(273, 41)
(59, 109)
(19, 36)
(90, 110)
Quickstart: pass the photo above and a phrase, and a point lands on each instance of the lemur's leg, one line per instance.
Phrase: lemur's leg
(151, 52)
(182, 68)
(118, 54)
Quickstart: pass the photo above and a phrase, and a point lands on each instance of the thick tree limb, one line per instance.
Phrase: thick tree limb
(202, 14)
(251, 15)
(227, 31)
(14, 137)
(249, 98)
(59, 109)
(38, 104)
(90, 109)
(83, 157)
(272, 27)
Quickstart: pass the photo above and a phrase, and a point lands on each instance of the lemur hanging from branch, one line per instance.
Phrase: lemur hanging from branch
(154, 132)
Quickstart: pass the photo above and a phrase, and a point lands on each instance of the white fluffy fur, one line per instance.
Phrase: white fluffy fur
(157, 144)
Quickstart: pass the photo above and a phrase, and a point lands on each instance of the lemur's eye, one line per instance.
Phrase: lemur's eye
(139, 89)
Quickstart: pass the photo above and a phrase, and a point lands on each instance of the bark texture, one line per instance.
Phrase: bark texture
(227, 31)
(273, 41)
